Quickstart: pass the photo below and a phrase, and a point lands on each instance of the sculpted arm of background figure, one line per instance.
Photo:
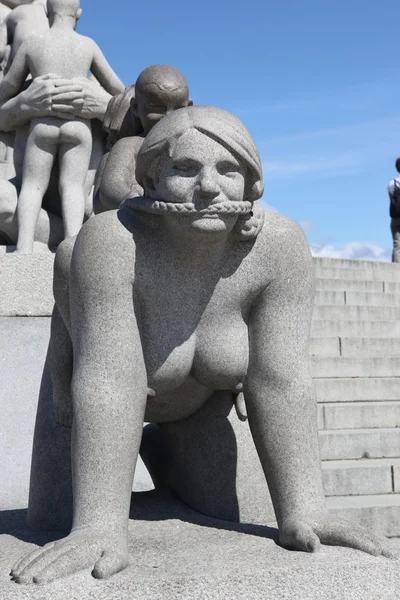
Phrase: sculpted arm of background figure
(118, 181)
(281, 404)
(15, 78)
(104, 73)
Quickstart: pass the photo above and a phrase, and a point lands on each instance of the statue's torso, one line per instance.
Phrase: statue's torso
(193, 327)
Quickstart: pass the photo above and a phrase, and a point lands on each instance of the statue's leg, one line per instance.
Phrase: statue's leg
(74, 159)
(38, 162)
(210, 461)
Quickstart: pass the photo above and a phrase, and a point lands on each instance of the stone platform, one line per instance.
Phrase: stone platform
(179, 554)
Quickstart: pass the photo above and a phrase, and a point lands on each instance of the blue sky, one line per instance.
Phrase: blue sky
(317, 84)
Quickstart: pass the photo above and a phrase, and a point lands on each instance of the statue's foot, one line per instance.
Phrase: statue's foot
(104, 552)
(307, 535)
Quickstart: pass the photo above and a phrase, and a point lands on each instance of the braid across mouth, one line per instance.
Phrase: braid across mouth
(149, 205)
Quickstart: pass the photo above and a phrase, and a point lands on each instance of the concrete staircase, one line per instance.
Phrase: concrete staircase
(355, 356)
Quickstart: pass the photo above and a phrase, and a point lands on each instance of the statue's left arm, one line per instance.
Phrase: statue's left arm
(104, 74)
(281, 404)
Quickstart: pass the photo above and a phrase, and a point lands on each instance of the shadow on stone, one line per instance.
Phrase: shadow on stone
(162, 504)
(14, 523)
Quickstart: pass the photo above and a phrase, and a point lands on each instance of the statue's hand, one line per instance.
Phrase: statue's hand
(95, 99)
(307, 535)
(52, 95)
(104, 552)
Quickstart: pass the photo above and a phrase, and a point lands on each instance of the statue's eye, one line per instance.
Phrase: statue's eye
(185, 167)
(226, 167)
(157, 108)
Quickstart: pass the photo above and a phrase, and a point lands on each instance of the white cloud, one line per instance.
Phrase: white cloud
(343, 164)
(307, 225)
(353, 250)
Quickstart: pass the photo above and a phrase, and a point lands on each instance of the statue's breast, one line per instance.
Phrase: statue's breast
(222, 351)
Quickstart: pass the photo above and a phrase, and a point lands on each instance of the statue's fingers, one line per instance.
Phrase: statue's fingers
(38, 563)
(67, 95)
(62, 82)
(72, 561)
(109, 563)
(63, 108)
(299, 536)
(390, 552)
(24, 562)
(346, 534)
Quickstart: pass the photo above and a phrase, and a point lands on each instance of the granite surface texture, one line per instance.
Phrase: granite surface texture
(177, 553)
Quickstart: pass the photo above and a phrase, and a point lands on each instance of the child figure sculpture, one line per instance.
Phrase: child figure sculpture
(62, 51)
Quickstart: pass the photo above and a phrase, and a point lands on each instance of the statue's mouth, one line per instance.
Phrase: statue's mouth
(150, 205)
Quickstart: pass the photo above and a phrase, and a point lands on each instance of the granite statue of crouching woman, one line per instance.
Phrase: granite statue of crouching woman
(174, 299)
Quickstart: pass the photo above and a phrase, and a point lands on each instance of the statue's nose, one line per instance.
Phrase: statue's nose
(207, 184)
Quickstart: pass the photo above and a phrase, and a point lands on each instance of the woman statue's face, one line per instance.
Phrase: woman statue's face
(203, 172)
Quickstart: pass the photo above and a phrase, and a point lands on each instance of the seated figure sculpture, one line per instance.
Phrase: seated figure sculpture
(71, 55)
(159, 90)
(176, 298)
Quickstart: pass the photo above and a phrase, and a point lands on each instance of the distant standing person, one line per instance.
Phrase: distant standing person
(394, 195)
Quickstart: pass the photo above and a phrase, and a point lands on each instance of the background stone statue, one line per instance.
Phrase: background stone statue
(60, 50)
(187, 295)
(47, 96)
(159, 90)
(25, 20)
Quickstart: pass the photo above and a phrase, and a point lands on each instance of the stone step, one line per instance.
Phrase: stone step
(344, 263)
(370, 347)
(359, 443)
(363, 389)
(358, 477)
(381, 513)
(352, 328)
(372, 299)
(392, 287)
(340, 285)
(358, 274)
(320, 346)
(351, 366)
(356, 313)
(359, 415)
(354, 347)
(347, 298)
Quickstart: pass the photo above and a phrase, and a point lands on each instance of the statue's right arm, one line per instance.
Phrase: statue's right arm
(109, 384)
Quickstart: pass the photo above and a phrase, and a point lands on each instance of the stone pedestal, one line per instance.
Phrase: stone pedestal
(177, 553)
